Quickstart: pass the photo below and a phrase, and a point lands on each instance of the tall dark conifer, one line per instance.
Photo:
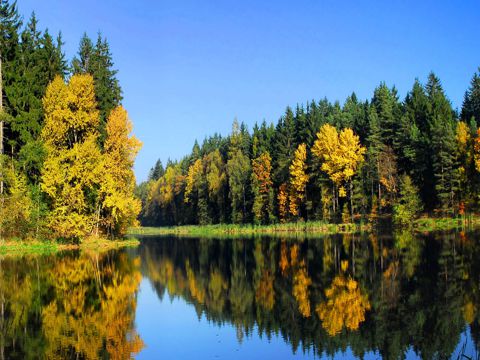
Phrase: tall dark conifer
(443, 143)
(471, 101)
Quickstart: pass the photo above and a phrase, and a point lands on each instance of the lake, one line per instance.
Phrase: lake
(352, 296)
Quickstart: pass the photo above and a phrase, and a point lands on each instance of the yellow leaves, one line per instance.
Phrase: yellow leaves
(341, 154)
(262, 168)
(301, 282)
(120, 207)
(194, 178)
(215, 172)
(70, 112)
(262, 187)
(462, 136)
(345, 306)
(73, 165)
(282, 199)
(298, 179)
(476, 148)
(75, 168)
(17, 206)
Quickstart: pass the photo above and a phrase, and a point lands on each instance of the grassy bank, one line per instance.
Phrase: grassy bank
(310, 227)
(423, 224)
(26, 247)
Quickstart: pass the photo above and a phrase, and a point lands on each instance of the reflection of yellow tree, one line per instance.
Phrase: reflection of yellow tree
(198, 292)
(469, 311)
(93, 309)
(216, 289)
(345, 306)
(301, 282)
(283, 263)
(264, 292)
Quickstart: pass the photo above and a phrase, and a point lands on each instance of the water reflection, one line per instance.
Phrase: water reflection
(385, 295)
(71, 306)
(364, 296)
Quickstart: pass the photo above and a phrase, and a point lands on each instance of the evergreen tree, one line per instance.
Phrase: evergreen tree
(96, 60)
(386, 103)
(409, 203)
(443, 143)
(156, 172)
(37, 64)
(471, 101)
(283, 146)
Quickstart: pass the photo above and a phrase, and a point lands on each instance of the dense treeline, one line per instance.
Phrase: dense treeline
(332, 162)
(66, 154)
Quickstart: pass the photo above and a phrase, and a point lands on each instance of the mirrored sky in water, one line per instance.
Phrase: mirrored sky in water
(171, 329)
(390, 296)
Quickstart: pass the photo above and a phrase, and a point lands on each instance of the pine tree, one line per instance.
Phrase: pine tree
(409, 203)
(386, 103)
(10, 23)
(239, 173)
(37, 64)
(157, 171)
(96, 60)
(471, 101)
(283, 146)
(443, 144)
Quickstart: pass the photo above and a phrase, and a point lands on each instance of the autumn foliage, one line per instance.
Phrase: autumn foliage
(89, 189)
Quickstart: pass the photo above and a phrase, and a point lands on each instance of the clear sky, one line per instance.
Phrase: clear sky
(188, 68)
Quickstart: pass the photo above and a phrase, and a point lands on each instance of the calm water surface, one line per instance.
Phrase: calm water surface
(389, 296)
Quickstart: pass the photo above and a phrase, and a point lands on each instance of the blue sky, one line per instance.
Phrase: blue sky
(188, 68)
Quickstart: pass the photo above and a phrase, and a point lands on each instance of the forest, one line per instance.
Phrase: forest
(66, 149)
(337, 163)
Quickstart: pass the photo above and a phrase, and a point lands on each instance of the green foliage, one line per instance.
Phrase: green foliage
(409, 204)
(97, 61)
(418, 137)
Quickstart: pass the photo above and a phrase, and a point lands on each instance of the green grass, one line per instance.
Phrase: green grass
(19, 247)
(309, 227)
(36, 247)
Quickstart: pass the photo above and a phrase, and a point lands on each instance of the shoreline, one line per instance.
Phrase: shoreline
(423, 224)
(38, 247)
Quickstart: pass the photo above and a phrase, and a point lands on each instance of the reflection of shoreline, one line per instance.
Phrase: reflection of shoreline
(386, 302)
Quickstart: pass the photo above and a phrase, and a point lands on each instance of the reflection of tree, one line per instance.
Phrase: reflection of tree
(69, 307)
(301, 282)
(92, 310)
(345, 306)
(417, 290)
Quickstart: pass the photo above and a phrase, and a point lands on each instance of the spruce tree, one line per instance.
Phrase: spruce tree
(284, 147)
(157, 171)
(471, 102)
(443, 143)
(96, 60)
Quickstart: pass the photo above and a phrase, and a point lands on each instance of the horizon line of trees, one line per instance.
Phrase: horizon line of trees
(331, 162)
(66, 150)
